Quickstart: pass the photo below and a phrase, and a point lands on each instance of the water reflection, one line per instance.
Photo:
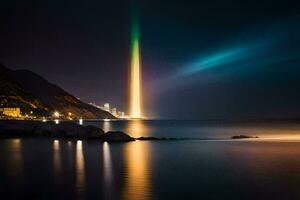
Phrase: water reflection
(70, 155)
(80, 169)
(57, 161)
(137, 128)
(107, 172)
(264, 161)
(106, 126)
(15, 159)
(69, 145)
(137, 183)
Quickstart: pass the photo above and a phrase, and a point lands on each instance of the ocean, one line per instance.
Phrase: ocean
(208, 166)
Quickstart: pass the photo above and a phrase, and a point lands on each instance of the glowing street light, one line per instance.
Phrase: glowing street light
(80, 121)
(56, 114)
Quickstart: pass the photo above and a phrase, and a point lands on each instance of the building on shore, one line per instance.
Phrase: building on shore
(11, 112)
(119, 113)
(106, 107)
(114, 112)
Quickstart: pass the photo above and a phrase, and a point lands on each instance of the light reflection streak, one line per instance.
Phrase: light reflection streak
(80, 169)
(137, 128)
(272, 133)
(15, 162)
(57, 161)
(266, 159)
(138, 183)
(106, 126)
(69, 145)
(280, 134)
(70, 154)
(107, 172)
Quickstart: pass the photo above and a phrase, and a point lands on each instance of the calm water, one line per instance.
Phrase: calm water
(187, 169)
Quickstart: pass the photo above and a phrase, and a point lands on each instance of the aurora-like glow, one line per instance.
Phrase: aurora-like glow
(229, 59)
(135, 74)
(216, 60)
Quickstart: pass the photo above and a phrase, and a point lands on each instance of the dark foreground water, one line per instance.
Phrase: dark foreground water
(266, 168)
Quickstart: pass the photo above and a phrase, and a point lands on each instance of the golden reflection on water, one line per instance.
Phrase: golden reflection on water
(278, 132)
(264, 159)
(69, 145)
(107, 172)
(80, 169)
(137, 128)
(106, 126)
(15, 162)
(137, 183)
(70, 154)
(57, 159)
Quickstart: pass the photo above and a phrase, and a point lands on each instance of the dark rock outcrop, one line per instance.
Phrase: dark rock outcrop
(48, 129)
(94, 132)
(157, 138)
(67, 129)
(116, 136)
(148, 138)
(243, 137)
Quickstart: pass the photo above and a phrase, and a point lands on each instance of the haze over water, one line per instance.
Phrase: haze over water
(182, 169)
(195, 129)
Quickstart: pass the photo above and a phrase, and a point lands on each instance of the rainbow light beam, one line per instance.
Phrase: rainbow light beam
(135, 74)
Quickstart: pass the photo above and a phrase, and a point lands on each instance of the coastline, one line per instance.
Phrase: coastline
(71, 130)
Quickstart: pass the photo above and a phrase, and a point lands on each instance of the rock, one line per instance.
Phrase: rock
(17, 128)
(148, 138)
(156, 138)
(94, 132)
(116, 136)
(46, 130)
(71, 130)
(243, 137)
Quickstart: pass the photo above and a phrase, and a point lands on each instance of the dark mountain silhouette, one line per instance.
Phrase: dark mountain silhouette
(31, 92)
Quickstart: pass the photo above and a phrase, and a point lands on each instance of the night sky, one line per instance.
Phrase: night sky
(201, 59)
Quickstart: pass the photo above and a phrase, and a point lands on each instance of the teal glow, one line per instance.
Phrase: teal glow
(216, 60)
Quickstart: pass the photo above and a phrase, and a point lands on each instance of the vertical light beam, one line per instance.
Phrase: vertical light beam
(135, 73)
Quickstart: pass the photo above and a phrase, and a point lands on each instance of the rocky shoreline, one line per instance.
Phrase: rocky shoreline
(38, 129)
(72, 130)
(243, 137)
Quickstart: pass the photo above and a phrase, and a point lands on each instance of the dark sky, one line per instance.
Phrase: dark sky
(201, 59)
